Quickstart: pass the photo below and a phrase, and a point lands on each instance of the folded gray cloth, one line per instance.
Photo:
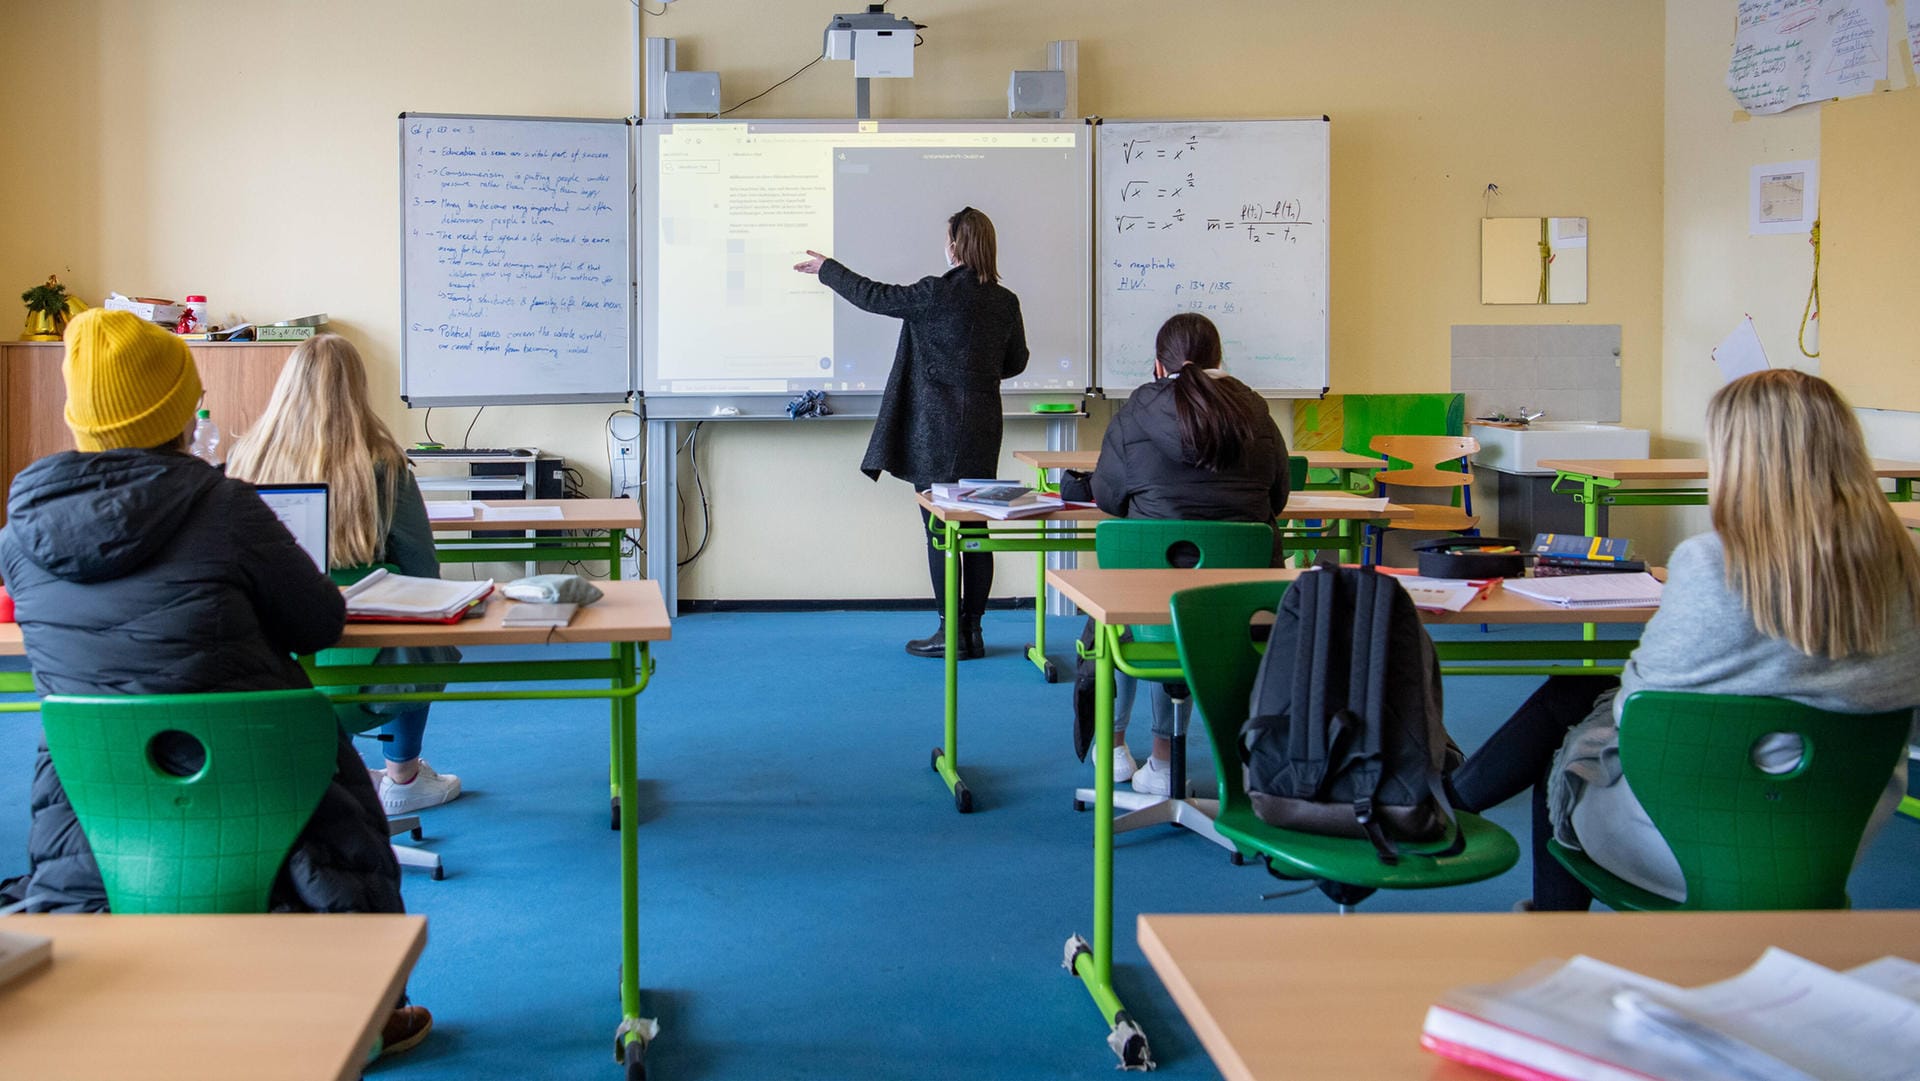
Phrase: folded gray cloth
(552, 589)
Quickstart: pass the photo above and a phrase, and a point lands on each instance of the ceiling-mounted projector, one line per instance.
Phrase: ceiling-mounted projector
(879, 44)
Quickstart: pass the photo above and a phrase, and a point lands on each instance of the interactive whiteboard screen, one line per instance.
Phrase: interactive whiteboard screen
(516, 250)
(1223, 217)
(728, 207)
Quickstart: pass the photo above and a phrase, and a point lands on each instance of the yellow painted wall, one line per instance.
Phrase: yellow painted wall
(1714, 271)
(247, 151)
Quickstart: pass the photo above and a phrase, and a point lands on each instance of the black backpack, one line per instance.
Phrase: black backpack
(1344, 734)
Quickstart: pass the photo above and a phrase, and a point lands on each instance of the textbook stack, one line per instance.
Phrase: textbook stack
(999, 499)
(1556, 554)
(1783, 1019)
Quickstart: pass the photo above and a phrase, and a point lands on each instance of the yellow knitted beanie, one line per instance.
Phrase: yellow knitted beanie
(129, 383)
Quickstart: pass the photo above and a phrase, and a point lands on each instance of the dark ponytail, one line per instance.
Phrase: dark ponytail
(1216, 424)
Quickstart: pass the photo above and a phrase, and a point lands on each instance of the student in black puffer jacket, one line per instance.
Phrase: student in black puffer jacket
(136, 568)
(1195, 444)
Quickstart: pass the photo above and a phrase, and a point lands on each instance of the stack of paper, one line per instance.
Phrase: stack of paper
(1784, 1019)
(449, 510)
(1039, 504)
(1591, 590)
(384, 595)
(508, 512)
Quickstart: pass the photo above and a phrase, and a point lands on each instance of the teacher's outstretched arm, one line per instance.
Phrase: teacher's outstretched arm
(899, 301)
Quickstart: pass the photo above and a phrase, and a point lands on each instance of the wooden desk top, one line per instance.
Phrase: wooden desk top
(1143, 596)
(631, 611)
(574, 514)
(1908, 513)
(1087, 459)
(1275, 996)
(1318, 506)
(1687, 468)
(205, 998)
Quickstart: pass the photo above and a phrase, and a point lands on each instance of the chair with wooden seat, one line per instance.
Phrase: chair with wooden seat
(1212, 627)
(209, 841)
(1424, 455)
(1745, 838)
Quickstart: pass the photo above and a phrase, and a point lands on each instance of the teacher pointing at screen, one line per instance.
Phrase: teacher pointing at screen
(939, 418)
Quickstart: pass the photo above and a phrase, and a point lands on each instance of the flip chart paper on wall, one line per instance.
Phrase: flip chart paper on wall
(728, 207)
(1791, 52)
(1228, 218)
(516, 250)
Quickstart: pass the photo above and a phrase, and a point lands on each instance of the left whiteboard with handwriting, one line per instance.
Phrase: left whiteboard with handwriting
(516, 240)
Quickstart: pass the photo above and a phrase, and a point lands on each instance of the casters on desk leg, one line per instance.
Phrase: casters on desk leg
(1075, 947)
(933, 762)
(630, 1043)
(1128, 1042)
(1048, 670)
(962, 798)
(613, 821)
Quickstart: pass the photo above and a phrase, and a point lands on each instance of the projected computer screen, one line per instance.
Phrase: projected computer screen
(727, 208)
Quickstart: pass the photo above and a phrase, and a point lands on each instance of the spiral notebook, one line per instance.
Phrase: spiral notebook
(1591, 590)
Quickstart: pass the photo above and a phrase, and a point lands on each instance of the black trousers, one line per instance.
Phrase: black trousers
(1516, 758)
(976, 576)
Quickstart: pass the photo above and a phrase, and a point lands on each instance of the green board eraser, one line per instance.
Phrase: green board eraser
(1054, 407)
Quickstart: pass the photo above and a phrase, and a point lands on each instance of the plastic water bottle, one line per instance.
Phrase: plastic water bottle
(206, 439)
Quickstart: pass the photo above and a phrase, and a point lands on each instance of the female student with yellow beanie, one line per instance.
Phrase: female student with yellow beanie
(136, 568)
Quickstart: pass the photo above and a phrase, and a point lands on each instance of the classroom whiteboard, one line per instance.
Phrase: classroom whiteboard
(1228, 218)
(727, 208)
(516, 242)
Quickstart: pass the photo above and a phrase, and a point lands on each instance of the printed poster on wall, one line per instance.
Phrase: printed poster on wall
(1791, 52)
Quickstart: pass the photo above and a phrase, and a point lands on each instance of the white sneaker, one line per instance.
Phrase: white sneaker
(1153, 779)
(1123, 764)
(429, 788)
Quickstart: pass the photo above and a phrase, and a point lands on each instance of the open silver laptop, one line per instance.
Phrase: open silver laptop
(302, 508)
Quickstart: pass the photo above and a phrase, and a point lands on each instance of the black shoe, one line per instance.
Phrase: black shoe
(933, 645)
(973, 644)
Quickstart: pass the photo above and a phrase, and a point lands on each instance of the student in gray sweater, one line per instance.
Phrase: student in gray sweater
(1807, 589)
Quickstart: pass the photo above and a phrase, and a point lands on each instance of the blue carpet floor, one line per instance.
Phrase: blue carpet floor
(811, 904)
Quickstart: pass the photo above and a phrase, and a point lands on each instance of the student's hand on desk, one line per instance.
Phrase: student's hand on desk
(810, 265)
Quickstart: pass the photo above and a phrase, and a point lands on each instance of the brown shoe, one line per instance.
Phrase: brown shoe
(404, 1030)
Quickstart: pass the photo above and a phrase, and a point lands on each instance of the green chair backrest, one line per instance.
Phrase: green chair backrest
(1369, 415)
(1747, 839)
(207, 843)
(1296, 472)
(1211, 628)
(1144, 542)
(352, 716)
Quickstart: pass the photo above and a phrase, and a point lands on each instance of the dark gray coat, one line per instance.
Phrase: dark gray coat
(1146, 469)
(940, 415)
(147, 572)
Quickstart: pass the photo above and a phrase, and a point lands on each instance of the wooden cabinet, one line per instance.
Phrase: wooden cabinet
(238, 378)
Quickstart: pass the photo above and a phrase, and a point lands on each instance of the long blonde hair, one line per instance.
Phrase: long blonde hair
(1812, 547)
(320, 426)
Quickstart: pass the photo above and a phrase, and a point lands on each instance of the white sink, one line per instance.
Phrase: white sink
(1519, 450)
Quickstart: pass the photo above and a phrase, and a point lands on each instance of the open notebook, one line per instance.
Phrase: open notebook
(1591, 590)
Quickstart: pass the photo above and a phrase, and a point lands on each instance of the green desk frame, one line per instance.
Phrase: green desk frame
(1092, 962)
(1344, 481)
(626, 670)
(1594, 492)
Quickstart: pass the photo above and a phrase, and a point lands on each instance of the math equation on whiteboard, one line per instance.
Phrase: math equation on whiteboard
(1150, 201)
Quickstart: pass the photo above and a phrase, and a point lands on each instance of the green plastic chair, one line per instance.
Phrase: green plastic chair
(208, 843)
(1747, 839)
(1147, 543)
(1211, 626)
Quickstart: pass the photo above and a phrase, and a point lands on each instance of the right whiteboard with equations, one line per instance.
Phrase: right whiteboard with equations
(1223, 217)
